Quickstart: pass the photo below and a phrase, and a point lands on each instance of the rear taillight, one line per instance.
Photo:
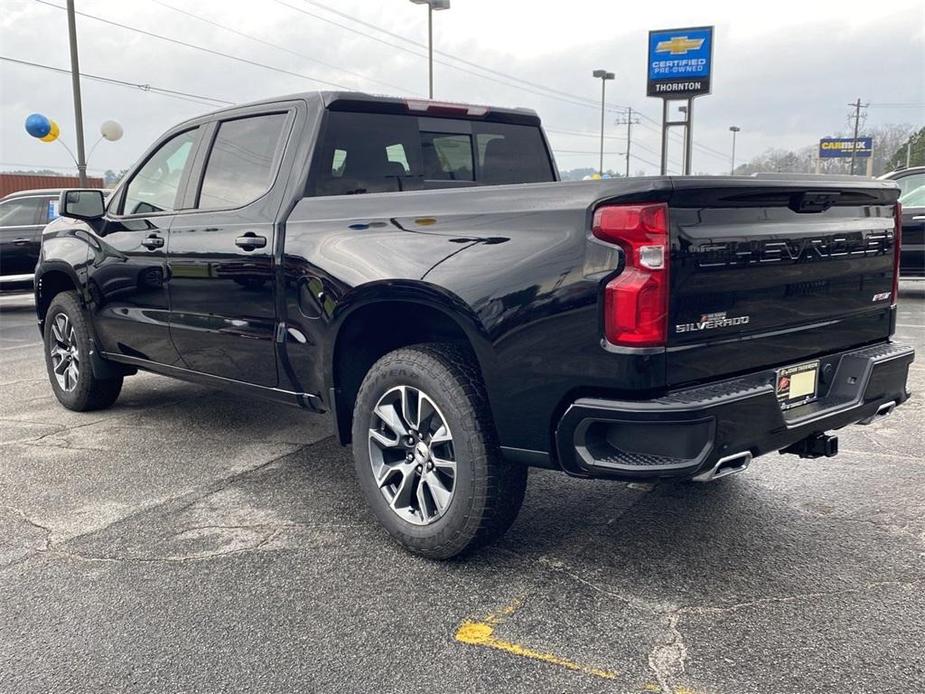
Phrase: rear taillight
(445, 108)
(897, 240)
(636, 300)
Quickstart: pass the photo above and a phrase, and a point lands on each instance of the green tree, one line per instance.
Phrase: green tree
(916, 145)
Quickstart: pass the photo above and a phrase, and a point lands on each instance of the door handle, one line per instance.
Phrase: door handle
(152, 242)
(919, 218)
(250, 241)
(21, 242)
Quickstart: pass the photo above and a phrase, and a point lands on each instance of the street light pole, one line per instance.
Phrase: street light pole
(603, 75)
(430, 51)
(732, 167)
(431, 6)
(75, 83)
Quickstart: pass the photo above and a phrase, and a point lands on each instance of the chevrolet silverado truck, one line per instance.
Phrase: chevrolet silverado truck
(415, 270)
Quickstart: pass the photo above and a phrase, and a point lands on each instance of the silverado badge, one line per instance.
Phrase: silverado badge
(711, 321)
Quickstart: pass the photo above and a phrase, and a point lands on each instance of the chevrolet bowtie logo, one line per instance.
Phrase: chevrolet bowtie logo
(678, 45)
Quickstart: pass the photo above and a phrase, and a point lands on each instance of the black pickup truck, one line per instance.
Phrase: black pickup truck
(415, 270)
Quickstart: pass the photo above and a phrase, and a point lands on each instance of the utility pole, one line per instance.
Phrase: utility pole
(629, 122)
(908, 152)
(857, 122)
(75, 82)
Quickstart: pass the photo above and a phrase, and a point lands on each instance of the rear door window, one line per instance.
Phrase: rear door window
(376, 153)
(243, 161)
(22, 212)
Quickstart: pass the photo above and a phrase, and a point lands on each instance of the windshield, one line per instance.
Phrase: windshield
(909, 184)
(914, 197)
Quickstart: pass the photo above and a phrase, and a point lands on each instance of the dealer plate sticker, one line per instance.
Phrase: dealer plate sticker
(797, 385)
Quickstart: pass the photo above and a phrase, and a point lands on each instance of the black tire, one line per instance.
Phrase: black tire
(488, 492)
(88, 392)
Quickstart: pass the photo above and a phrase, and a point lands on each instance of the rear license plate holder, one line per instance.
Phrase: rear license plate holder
(797, 385)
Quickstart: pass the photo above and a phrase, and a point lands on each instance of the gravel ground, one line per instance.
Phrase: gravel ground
(191, 540)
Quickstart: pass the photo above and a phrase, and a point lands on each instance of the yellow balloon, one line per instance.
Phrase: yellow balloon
(53, 133)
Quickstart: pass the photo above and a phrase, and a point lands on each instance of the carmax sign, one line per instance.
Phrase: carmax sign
(834, 147)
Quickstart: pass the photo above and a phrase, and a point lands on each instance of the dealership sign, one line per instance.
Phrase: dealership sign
(832, 147)
(680, 62)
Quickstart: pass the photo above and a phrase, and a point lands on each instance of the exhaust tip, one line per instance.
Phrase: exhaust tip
(729, 465)
(885, 410)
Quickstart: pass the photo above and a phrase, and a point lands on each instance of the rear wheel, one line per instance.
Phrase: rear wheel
(67, 358)
(426, 456)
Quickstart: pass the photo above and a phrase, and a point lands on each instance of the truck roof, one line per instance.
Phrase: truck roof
(376, 103)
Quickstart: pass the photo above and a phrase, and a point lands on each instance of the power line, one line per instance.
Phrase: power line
(514, 85)
(595, 153)
(457, 58)
(200, 48)
(570, 99)
(280, 47)
(518, 83)
(185, 96)
(580, 133)
(201, 99)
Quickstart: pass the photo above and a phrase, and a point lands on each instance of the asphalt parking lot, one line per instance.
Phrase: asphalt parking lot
(190, 540)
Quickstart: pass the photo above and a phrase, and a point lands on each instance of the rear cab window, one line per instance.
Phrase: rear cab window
(381, 152)
(243, 161)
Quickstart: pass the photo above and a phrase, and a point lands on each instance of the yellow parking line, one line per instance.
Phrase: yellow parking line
(482, 633)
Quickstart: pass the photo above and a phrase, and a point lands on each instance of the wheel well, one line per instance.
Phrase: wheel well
(50, 285)
(373, 331)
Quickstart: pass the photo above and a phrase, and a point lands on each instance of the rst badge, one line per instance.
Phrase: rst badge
(711, 321)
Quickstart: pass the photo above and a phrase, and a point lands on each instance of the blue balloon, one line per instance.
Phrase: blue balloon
(38, 125)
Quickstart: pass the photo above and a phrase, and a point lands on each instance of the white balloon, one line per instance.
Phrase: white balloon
(111, 130)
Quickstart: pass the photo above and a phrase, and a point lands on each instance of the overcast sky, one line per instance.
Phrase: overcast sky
(783, 71)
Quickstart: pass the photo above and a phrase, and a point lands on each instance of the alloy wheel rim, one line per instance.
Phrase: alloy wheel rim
(65, 355)
(411, 455)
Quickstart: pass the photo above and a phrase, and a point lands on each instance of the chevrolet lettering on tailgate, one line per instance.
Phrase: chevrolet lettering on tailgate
(810, 249)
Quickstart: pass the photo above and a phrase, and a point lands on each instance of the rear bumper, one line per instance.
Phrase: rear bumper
(688, 432)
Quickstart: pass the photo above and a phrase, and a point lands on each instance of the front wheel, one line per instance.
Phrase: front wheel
(426, 455)
(67, 358)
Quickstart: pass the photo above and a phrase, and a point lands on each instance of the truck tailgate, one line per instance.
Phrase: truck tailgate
(766, 272)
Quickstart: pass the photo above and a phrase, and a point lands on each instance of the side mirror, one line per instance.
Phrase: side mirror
(85, 204)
